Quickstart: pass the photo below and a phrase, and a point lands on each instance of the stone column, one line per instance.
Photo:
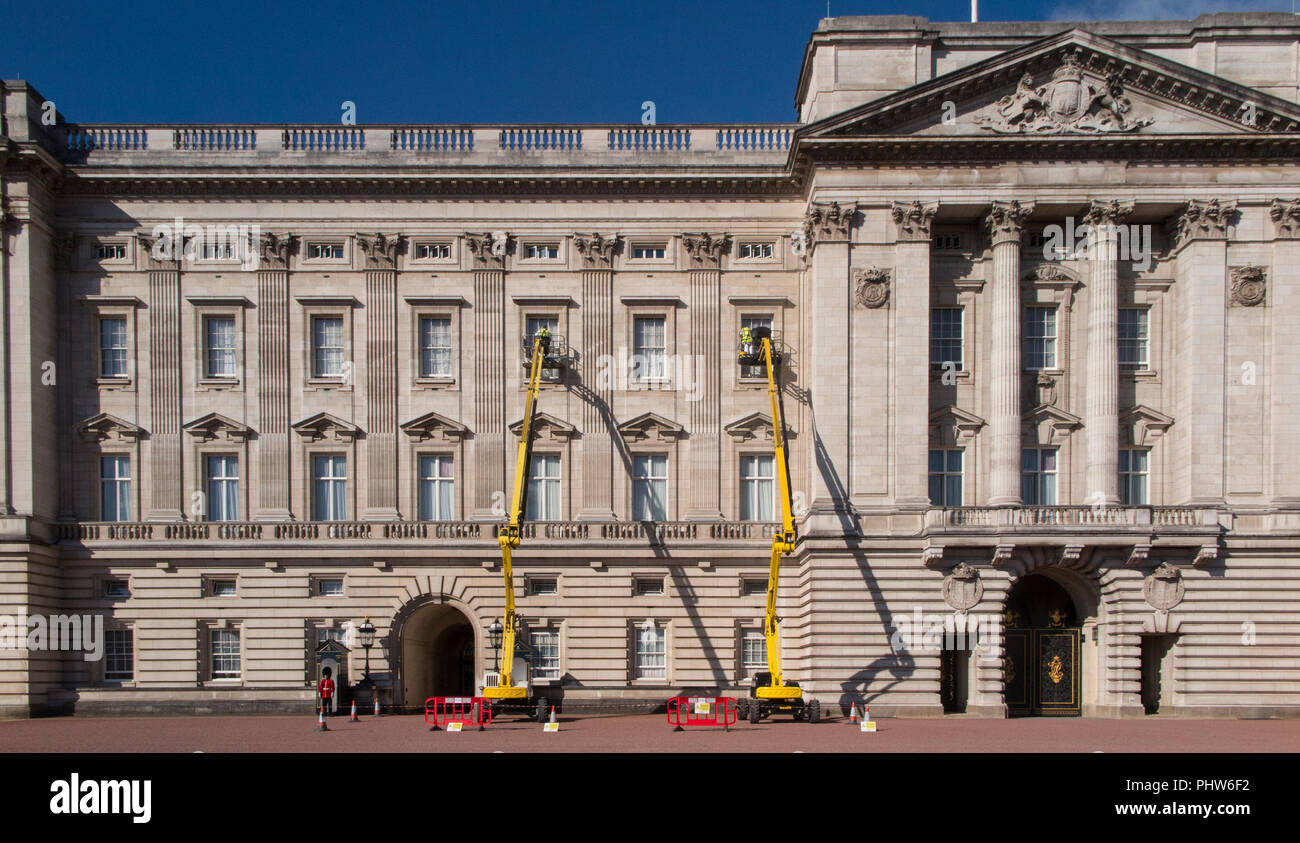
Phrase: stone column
(911, 352)
(597, 495)
(491, 352)
(381, 374)
(166, 497)
(827, 230)
(1005, 222)
(1201, 269)
(273, 410)
(1101, 419)
(1283, 295)
(703, 448)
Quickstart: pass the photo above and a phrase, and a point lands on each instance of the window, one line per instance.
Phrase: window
(223, 487)
(1133, 477)
(437, 488)
(117, 588)
(946, 242)
(643, 253)
(536, 323)
(945, 477)
(327, 346)
(224, 588)
(324, 634)
(753, 653)
(543, 586)
(325, 251)
(225, 654)
(546, 654)
(751, 587)
(753, 323)
(111, 251)
(115, 488)
(755, 250)
(544, 488)
(1040, 338)
(219, 346)
(119, 654)
(945, 337)
(332, 587)
(542, 251)
(649, 586)
(112, 348)
(650, 350)
(435, 347)
(330, 487)
(217, 251)
(434, 251)
(1134, 337)
(1038, 477)
(651, 653)
(758, 488)
(650, 488)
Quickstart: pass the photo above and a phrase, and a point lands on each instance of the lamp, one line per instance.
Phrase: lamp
(494, 638)
(367, 632)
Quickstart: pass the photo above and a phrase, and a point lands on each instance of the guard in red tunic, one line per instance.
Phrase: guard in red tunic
(326, 690)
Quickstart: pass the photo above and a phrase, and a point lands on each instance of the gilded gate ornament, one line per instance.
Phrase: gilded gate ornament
(1056, 618)
(1008, 670)
(1056, 670)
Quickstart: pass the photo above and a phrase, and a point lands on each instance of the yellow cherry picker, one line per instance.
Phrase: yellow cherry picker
(541, 352)
(771, 692)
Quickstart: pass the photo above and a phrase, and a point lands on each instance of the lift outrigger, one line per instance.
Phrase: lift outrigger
(541, 352)
(771, 692)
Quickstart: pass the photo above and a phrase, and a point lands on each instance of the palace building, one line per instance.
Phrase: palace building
(1037, 287)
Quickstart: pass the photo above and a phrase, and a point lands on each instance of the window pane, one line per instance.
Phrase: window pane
(115, 488)
(119, 654)
(223, 487)
(327, 339)
(112, 348)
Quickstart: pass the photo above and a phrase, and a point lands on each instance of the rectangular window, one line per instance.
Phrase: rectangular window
(536, 323)
(219, 346)
(542, 251)
(649, 586)
(1040, 338)
(223, 487)
(329, 487)
(212, 251)
(111, 252)
(1133, 477)
(435, 347)
(753, 323)
(651, 653)
(753, 587)
(544, 488)
(755, 250)
(327, 346)
(115, 488)
(758, 488)
(325, 251)
(324, 634)
(1134, 337)
(435, 251)
(546, 654)
(642, 253)
(650, 488)
(224, 588)
(650, 348)
(945, 477)
(330, 588)
(543, 586)
(945, 337)
(112, 348)
(946, 242)
(753, 654)
(225, 654)
(1038, 477)
(119, 654)
(437, 488)
(117, 588)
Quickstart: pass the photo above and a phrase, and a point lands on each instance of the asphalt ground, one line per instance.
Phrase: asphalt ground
(643, 733)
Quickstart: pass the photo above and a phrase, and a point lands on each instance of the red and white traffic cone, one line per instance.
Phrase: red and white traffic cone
(354, 718)
(553, 714)
(320, 720)
(377, 712)
(853, 713)
(866, 713)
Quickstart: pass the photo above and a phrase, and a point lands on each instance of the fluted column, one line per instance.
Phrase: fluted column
(490, 355)
(1005, 222)
(911, 352)
(1101, 419)
(1284, 298)
(272, 443)
(381, 374)
(164, 444)
(596, 253)
(703, 451)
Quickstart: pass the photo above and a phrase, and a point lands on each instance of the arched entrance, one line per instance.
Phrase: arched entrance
(437, 645)
(1041, 665)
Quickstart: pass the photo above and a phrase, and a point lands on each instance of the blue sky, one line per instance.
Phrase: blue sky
(440, 62)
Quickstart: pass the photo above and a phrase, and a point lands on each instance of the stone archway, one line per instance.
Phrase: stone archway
(1044, 664)
(436, 644)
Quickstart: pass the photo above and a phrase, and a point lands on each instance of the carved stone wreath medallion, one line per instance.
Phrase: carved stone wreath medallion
(1247, 285)
(871, 287)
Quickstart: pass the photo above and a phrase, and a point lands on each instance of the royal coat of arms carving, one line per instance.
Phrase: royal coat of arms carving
(1069, 103)
(962, 588)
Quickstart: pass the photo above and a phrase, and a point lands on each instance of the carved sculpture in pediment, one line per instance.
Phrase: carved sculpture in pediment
(1069, 103)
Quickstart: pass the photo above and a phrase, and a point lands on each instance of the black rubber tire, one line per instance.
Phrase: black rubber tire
(755, 711)
(543, 711)
(742, 709)
(814, 710)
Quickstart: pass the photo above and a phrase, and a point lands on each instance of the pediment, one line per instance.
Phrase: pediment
(1139, 424)
(953, 426)
(546, 426)
(651, 427)
(1075, 84)
(105, 426)
(754, 425)
(326, 426)
(1049, 425)
(214, 426)
(434, 426)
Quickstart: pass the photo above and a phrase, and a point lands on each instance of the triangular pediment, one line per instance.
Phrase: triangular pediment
(651, 426)
(104, 426)
(1140, 424)
(1070, 85)
(434, 426)
(546, 426)
(326, 426)
(953, 426)
(215, 426)
(1049, 424)
(753, 426)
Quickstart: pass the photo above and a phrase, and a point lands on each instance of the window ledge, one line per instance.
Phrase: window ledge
(1143, 374)
(329, 383)
(218, 383)
(435, 382)
(121, 381)
(938, 372)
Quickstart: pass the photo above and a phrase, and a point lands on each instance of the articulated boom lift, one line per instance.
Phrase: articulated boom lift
(771, 693)
(540, 356)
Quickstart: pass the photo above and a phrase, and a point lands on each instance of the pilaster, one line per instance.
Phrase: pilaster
(597, 494)
(490, 354)
(703, 447)
(381, 374)
(911, 381)
(166, 497)
(1284, 299)
(273, 407)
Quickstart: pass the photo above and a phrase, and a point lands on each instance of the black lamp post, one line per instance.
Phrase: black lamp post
(494, 637)
(367, 632)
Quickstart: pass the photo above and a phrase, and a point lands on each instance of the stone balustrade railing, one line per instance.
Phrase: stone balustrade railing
(1073, 517)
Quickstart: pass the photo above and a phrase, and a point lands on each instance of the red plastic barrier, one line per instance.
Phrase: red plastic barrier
(472, 711)
(702, 711)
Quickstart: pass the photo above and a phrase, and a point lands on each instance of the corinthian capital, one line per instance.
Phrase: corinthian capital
(489, 250)
(1111, 212)
(913, 219)
(1005, 220)
(381, 250)
(1204, 220)
(826, 222)
(276, 249)
(1285, 214)
(706, 249)
(596, 250)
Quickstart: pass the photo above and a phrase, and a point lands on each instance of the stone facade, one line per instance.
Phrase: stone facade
(370, 319)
